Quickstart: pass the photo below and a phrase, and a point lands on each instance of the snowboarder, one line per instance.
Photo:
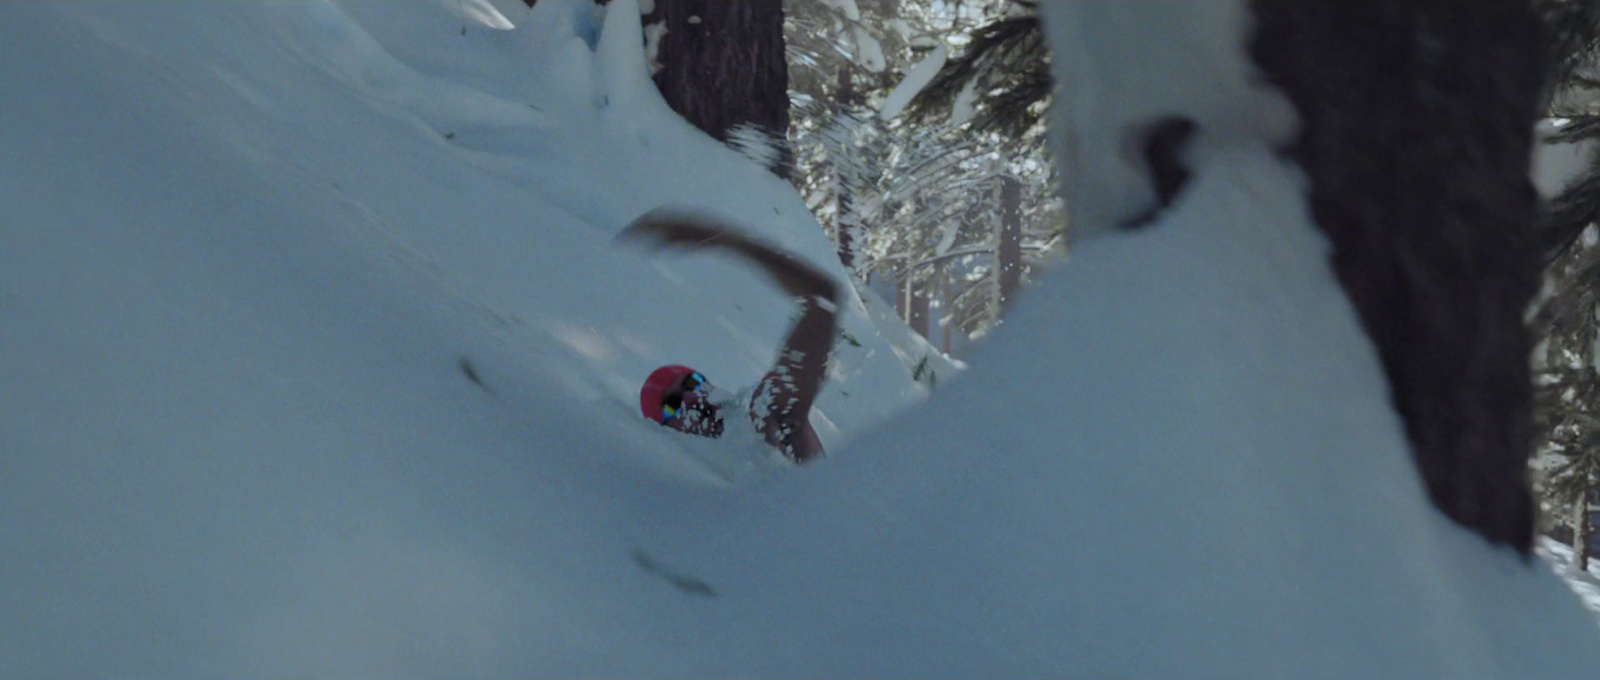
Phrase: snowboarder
(680, 397)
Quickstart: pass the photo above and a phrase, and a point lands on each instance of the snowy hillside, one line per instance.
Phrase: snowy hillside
(282, 299)
(316, 359)
(1586, 584)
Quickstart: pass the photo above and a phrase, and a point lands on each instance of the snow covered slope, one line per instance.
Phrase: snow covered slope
(316, 360)
(315, 354)
(1586, 583)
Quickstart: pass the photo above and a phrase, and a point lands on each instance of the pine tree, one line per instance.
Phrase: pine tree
(1567, 397)
(1574, 26)
(1567, 466)
(840, 57)
(917, 198)
(1000, 82)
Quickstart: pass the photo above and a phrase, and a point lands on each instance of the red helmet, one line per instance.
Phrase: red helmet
(658, 382)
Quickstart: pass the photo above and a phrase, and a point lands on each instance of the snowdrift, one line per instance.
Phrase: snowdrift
(316, 360)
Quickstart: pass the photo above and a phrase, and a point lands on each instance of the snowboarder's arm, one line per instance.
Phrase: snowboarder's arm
(782, 402)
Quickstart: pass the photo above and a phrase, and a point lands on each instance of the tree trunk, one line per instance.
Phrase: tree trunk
(1009, 252)
(1416, 131)
(917, 312)
(843, 180)
(946, 308)
(902, 301)
(1580, 533)
(723, 65)
(844, 221)
(914, 281)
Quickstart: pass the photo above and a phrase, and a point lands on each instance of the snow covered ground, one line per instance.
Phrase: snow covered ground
(1586, 584)
(316, 359)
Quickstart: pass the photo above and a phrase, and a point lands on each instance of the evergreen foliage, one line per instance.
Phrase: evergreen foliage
(1567, 380)
(1574, 28)
(1567, 395)
(1004, 69)
(915, 199)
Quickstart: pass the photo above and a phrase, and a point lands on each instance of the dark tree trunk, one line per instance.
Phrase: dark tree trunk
(1416, 127)
(914, 280)
(902, 300)
(843, 182)
(946, 307)
(723, 65)
(844, 223)
(917, 310)
(1009, 252)
(946, 338)
(1580, 533)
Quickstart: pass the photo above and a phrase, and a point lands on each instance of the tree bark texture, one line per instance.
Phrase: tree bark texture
(1416, 129)
(723, 65)
(1580, 533)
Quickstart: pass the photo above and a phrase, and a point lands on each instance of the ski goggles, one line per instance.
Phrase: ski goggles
(672, 404)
